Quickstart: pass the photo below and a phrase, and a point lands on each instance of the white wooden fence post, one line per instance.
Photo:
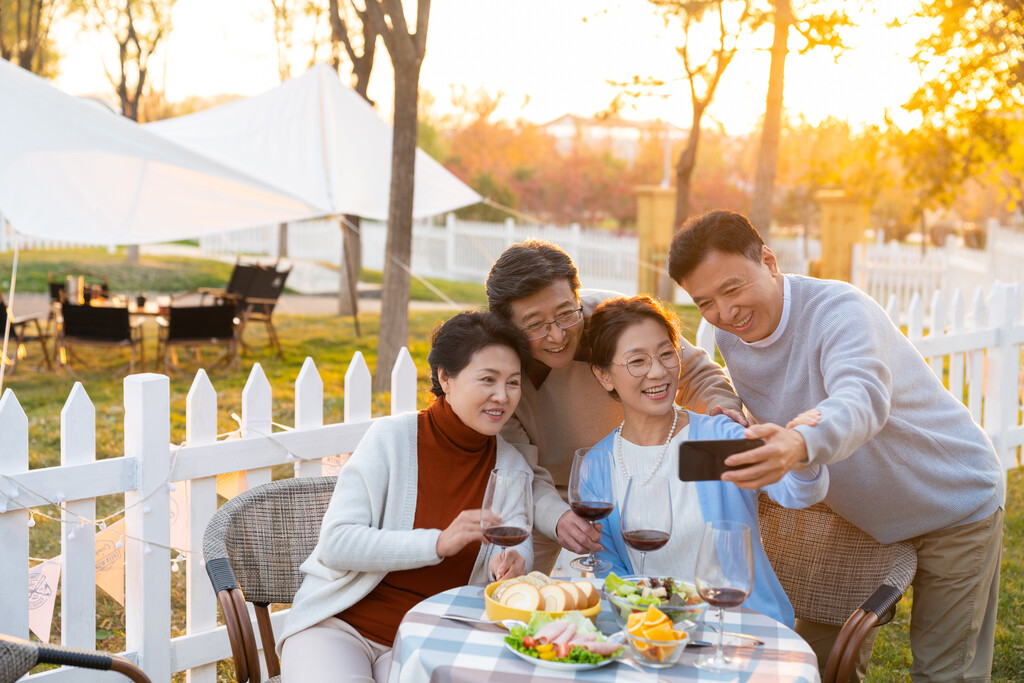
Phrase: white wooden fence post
(78, 571)
(403, 384)
(200, 601)
(510, 231)
(937, 329)
(956, 360)
(358, 391)
(13, 520)
(309, 411)
(450, 226)
(976, 359)
(256, 418)
(706, 337)
(1001, 404)
(147, 524)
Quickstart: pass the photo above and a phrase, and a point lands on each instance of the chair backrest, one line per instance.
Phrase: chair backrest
(17, 657)
(267, 284)
(241, 277)
(96, 323)
(827, 566)
(265, 533)
(201, 322)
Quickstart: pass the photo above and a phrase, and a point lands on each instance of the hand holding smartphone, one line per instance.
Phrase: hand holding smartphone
(705, 460)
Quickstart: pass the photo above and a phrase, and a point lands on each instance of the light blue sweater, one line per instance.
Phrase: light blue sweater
(721, 500)
(905, 457)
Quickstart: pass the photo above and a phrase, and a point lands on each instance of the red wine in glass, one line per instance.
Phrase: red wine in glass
(592, 497)
(592, 511)
(723, 597)
(646, 520)
(506, 536)
(724, 576)
(506, 517)
(646, 540)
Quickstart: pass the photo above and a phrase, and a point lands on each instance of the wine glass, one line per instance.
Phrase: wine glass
(724, 578)
(591, 496)
(646, 521)
(507, 513)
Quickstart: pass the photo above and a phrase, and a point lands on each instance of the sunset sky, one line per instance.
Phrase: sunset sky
(541, 54)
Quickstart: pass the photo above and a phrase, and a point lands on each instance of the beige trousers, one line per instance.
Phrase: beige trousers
(956, 592)
(333, 651)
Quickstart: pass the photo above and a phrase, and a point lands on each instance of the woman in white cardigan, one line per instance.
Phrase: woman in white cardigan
(404, 521)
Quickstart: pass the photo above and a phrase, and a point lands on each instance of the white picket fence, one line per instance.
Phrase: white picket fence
(901, 270)
(977, 352)
(145, 475)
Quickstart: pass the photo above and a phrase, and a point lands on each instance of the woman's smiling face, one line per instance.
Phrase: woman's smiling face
(654, 393)
(486, 392)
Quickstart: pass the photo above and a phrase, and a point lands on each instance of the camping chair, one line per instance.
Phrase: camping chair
(264, 290)
(57, 287)
(253, 546)
(18, 657)
(197, 326)
(21, 335)
(836, 574)
(106, 326)
(237, 287)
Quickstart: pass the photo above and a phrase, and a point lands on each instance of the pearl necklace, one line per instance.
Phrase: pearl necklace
(661, 456)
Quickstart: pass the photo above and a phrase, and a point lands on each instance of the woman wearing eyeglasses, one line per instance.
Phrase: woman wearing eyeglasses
(634, 346)
(536, 285)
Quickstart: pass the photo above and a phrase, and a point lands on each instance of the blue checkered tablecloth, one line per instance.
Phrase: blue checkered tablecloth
(429, 648)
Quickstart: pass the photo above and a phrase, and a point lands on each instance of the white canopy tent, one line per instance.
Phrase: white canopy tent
(70, 171)
(318, 140)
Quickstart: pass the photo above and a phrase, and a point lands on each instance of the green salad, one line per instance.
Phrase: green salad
(650, 591)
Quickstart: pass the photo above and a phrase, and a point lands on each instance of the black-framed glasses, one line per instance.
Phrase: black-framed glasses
(564, 322)
(639, 364)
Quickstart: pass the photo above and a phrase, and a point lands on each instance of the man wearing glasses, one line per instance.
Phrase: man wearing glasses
(563, 407)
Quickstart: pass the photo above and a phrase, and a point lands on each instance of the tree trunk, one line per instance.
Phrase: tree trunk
(394, 316)
(685, 165)
(767, 157)
(350, 265)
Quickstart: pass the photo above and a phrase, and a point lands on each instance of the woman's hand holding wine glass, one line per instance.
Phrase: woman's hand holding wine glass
(507, 515)
(591, 496)
(646, 516)
(724, 578)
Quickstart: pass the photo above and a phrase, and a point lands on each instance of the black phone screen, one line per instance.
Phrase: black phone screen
(705, 460)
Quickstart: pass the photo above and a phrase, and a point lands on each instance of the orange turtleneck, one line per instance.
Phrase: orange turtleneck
(454, 464)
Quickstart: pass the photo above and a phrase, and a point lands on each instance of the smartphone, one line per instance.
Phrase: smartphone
(705, 460)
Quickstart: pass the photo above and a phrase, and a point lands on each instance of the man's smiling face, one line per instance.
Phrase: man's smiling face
(558, 347)
(737, 294)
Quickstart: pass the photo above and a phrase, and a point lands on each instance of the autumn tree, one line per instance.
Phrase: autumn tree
(138, 27)
(815, 27)
(407, 50)
(25, 33)
(727, 21)
(969, 104)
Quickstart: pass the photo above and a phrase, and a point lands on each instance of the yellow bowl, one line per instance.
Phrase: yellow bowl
(495, 610)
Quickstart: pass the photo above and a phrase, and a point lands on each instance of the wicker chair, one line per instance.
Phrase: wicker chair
(253, 547)
(17, 657)
(835, 574)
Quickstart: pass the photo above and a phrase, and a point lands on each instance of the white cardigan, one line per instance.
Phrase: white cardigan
(368, 527)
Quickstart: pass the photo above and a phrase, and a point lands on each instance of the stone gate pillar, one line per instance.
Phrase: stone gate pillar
(844, 218)
(655, 215)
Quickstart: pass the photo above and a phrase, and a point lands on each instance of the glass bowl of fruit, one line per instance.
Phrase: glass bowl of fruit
(655, 639)
(674, 598)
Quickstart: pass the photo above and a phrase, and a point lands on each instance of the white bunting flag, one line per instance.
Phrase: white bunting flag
(110, 561)
(43, 581)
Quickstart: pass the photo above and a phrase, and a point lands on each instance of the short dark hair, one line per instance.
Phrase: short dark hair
(453, 343)
(611, 318)
(725, 231)
(524, 269)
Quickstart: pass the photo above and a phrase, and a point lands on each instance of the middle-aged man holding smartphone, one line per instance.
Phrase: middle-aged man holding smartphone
(906, 460)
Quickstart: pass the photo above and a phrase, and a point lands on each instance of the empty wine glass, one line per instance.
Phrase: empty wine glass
(724, 578)
(646, 516)
(591, 496)
(507, 513)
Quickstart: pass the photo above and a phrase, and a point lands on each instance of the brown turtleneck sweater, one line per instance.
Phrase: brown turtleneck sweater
(454, 464)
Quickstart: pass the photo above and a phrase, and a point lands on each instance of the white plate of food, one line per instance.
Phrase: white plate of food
(548, 637)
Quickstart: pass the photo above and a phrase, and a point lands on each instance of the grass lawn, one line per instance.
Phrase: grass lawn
(331, 342)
